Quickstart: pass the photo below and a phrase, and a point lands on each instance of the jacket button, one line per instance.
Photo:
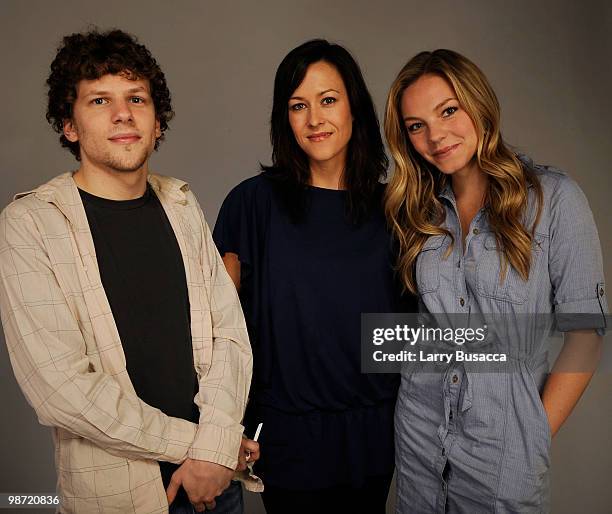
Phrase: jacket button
(475, 231)
(455, 379)
(461, 302)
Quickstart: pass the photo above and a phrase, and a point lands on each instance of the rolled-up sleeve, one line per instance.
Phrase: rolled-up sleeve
(48, 355)
(575, 263)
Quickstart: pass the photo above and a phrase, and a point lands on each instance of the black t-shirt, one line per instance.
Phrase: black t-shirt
(303, 288)
(144, 279)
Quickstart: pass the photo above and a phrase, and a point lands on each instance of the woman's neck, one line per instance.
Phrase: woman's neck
(327, 174)
(470, 185)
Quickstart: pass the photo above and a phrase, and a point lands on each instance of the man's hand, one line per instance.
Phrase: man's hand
(249, 452)
(203, 481)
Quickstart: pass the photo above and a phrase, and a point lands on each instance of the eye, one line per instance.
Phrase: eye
(328, 100)
(414, 127)
(137, 100)
(99, 101)
(449, 111)
(297, 107)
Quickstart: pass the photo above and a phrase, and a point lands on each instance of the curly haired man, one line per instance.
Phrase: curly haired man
(123, 328)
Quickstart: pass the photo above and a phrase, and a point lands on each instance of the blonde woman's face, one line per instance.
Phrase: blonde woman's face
(437, 126)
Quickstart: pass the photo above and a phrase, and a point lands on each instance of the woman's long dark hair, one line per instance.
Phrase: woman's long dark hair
(366, 161)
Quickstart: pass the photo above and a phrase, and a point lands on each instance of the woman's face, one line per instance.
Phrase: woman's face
(320, 115)
(437, 126)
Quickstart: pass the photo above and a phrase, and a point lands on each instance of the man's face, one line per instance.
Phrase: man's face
(114, 122)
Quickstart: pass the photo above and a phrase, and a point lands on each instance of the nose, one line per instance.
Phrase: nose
(315, 117)
(122, 112)
(437, 133)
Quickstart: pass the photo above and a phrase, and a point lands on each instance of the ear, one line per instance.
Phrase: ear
(70, 131)
(158, 132)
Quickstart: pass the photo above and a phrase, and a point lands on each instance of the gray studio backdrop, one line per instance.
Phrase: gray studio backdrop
(548, 61)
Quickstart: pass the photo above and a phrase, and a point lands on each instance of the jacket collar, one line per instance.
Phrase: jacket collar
(62, 191)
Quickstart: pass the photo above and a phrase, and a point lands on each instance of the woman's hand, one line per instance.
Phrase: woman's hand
(232, 265)
(249, 452)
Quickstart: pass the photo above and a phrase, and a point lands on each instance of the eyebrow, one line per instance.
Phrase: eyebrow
(320, 94)
(435, 108)
(130, 91)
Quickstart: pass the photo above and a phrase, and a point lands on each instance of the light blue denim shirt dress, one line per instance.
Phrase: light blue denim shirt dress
(479, 442)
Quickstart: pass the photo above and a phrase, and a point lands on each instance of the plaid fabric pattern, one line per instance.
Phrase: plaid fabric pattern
(68, 360)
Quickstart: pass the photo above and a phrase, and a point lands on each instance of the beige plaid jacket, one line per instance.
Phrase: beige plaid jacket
(67, 357)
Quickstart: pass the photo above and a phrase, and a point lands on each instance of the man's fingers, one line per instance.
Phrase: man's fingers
(203, 480)
(173, 487)
(202, 506)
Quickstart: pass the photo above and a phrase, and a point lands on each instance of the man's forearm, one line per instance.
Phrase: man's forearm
(224, 384)
(221, 400)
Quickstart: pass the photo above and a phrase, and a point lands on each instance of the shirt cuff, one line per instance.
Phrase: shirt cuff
(589, 313)
(217, 444)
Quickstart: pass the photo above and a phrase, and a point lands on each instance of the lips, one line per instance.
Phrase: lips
(319, 136)
(445, 152)
(125, 139)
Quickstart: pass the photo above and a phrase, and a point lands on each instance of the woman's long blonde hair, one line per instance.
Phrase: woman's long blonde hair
(411, 204)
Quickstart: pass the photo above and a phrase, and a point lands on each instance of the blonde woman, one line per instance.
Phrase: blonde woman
(482, 230)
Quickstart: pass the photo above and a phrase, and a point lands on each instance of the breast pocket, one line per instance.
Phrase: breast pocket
(428, 264)
(512, 288)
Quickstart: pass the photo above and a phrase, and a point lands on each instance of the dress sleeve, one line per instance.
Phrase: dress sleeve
(235, 229)
(575, 262)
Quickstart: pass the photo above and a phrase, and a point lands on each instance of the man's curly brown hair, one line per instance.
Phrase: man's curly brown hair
(89, 56)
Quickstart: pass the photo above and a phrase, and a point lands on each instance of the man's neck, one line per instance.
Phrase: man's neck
(113, 185)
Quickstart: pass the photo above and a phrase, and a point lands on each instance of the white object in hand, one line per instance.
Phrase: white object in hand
(257, 432)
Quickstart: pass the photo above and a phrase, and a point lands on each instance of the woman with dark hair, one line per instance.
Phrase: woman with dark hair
(306, 244)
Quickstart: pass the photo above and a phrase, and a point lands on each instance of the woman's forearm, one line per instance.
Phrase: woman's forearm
(570, 375)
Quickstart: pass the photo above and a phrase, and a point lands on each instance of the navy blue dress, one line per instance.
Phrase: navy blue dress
(303, 288)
